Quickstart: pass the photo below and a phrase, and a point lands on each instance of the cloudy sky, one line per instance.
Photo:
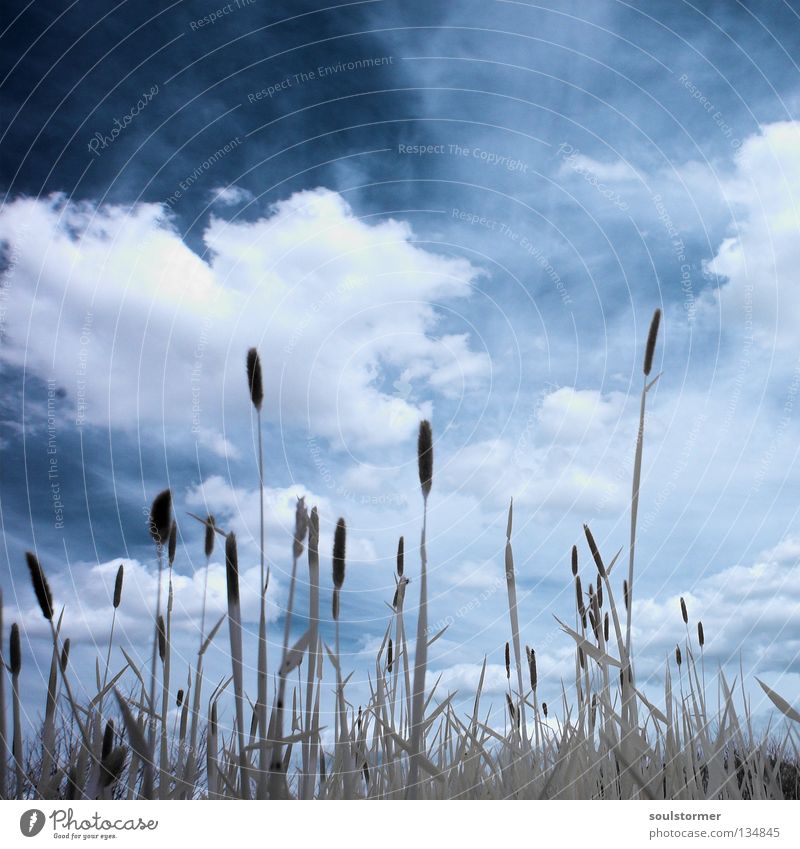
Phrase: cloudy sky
(465, 212)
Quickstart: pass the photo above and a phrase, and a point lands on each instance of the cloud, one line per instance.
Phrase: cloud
(139, 330)
(230, 195)
(566, 458)
(758, 262)
(753, 609)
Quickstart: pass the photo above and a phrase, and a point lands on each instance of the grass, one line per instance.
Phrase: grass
(605, 739)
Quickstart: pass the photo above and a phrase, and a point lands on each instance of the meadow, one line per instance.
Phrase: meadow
(604, 739)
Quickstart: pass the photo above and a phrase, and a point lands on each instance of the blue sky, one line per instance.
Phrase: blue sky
(463, 211)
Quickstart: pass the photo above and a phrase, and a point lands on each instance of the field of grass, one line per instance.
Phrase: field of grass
(604, 739)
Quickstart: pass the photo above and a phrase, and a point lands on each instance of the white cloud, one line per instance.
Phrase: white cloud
(568, 457)
(111, 302)
(759, 260)
(749, 609)
(230, 195)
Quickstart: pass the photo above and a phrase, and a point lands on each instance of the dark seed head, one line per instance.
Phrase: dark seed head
(173, 542)
(64, 661)
(390, 655)
(605, 628)
(579, 596)
(532, 669)
(232, 568)
(300, 527)
(108, 739)
(118, 586)
(15, 651)
(40, 585)
(335, 604)
(652, 336)
(161, 517)
(701, 637)
(162, 638)
(210, 535)
(179, 698)
(595, 553)
(684, 612)
(400, 557)
(339, 543)
(425, 457)
(678, 655)
(574, 559)
(544, 709)
(254, 378)
(508, 661)
(626, 595)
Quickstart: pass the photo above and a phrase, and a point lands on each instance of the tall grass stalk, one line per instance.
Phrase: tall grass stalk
(652, 337)
(425, 468)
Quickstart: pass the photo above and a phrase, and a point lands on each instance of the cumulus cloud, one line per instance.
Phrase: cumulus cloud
(140, 330)
(230, 195)
(567, 457)
(752, 609)
(758, 261)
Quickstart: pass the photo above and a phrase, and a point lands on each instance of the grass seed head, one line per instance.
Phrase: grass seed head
(595, 552)
(232, 568)
(400, 557)
(161, 517)
(108, 739)
(173, 542)
(678, 658)
(162, 638)
(701, 637)
(684, 612)
(652, 336)
(254, 381)
(339, 544)
(626, 594)
(15, 651)
(532, 670)
(40, 586)
(64, 659)
(179, 699)
(300, 527)
(425, 457)
(389, 656)
(210, 537)
(574, 559)
(118, 586)
(544, 709)
(508, 662)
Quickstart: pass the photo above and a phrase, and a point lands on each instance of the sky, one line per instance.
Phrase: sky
(465, 212)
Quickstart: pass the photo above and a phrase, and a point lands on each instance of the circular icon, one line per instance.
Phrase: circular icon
(31, 822)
